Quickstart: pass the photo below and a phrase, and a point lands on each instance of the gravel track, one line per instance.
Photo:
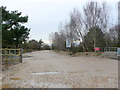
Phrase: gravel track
(64, 72)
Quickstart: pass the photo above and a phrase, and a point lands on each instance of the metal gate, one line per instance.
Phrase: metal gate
(111, 52)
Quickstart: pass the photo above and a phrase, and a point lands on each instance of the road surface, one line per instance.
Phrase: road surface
(47, 69)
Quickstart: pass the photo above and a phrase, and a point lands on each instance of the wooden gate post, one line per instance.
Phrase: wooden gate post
(21, 55)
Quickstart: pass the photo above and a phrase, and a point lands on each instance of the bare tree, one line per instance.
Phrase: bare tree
(76, 26)
(96, 16)
(58, 38)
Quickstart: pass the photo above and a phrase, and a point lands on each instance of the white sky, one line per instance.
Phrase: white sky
(44, 16)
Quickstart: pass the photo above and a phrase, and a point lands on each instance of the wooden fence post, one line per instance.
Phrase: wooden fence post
(21, 55)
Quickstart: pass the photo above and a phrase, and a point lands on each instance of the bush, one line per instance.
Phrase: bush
(46, 47)
(76, 49)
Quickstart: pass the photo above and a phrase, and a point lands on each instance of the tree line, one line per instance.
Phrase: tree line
(91, 27)
(35, 45)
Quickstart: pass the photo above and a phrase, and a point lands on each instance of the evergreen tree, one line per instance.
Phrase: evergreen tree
(13, 31)
(94, 38)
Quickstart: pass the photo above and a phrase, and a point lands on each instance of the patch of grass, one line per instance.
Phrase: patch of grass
(88, 53)
(96, 53)
(15, 78)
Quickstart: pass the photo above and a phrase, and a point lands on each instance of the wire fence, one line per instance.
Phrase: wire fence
(111, 52)
(110, 49)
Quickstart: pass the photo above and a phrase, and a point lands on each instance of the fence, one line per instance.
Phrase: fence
(111, 52)
(110, 49)
(11, 55)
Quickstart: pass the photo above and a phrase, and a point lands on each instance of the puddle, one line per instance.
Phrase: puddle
(26, 56)
(44, 73)
(15, 78)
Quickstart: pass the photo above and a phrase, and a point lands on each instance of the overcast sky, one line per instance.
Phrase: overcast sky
(46, 15)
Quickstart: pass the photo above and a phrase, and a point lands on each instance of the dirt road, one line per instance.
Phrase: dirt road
(47, 69)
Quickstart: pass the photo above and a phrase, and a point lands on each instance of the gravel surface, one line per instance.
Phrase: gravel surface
(47, 69)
